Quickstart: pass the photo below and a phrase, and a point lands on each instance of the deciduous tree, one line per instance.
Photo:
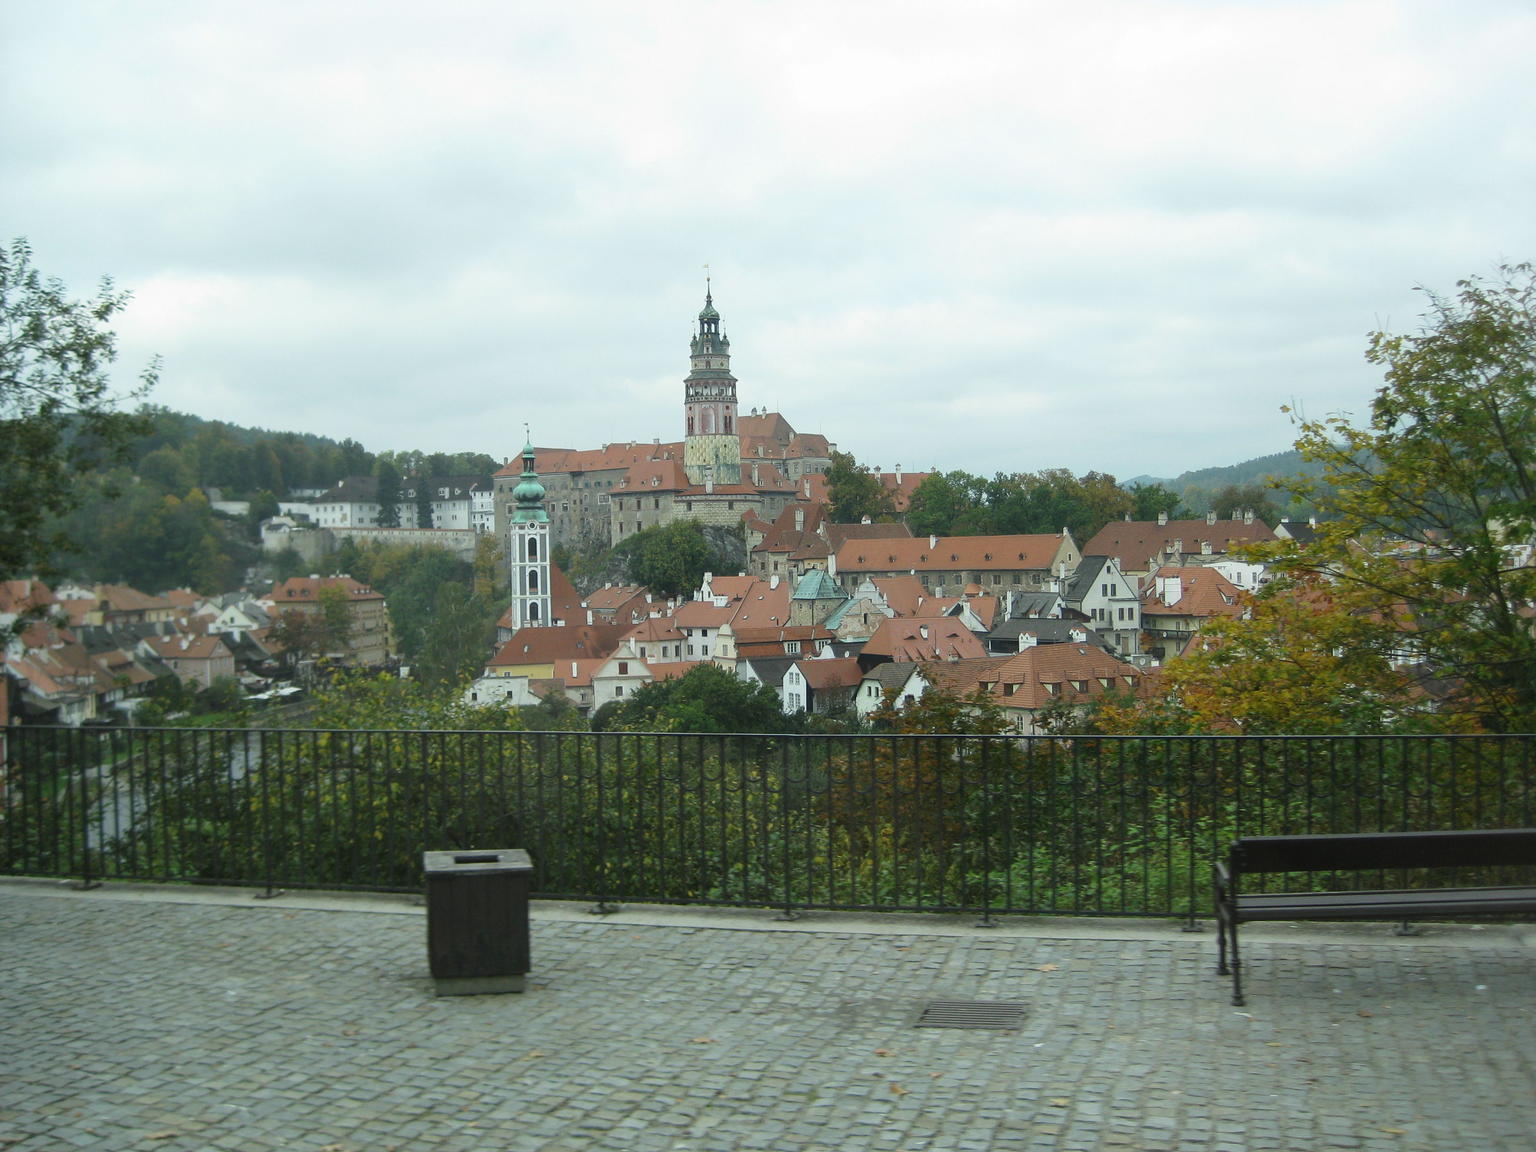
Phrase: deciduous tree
(854, 491)
(58, 414)
(1431, 503)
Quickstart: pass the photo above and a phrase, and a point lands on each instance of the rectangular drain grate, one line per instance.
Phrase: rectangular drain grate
(1000, 1014)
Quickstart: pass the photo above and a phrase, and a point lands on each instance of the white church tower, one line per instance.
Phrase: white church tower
(528, 549)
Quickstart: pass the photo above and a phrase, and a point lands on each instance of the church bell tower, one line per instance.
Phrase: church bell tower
(711, 445)
(528, 548)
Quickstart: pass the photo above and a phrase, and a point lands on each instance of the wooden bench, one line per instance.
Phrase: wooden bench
(1363, 852)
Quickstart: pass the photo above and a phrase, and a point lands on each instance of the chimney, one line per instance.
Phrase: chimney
(589, 616)
(922, 630)
(807, 487)
(1170, 589)
(1247, 515)
(1210, 517)
(933, 541)
(898, 474)
(1162, 518)
(773, 581)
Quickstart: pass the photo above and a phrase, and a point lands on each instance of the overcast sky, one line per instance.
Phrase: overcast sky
(990, 236)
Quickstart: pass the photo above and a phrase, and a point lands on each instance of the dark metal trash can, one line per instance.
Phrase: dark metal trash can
(477, 920)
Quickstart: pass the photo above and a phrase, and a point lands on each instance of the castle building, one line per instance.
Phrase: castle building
(726, 466)
(528, 549)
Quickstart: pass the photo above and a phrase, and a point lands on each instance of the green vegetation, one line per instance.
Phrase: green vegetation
(1429, 502)
(854, 491)
(443, 610)
(669, 560)
(706, 698)
(59, 418)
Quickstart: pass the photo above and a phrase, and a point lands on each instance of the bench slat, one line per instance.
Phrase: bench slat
(1384, 905)
(1488, 847)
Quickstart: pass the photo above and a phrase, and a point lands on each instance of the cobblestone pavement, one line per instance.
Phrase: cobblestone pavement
(132, 1019)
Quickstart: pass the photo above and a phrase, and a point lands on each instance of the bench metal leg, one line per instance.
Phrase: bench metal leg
(1237, 972)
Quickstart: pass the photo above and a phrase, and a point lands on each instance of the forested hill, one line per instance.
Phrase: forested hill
(180, 451)
(149, 521)
(1257, 470)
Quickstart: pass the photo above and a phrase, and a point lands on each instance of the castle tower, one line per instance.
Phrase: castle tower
(711, 445)
(528, 548)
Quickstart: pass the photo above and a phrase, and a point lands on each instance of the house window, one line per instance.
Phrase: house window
(618, 690)
(623, 667)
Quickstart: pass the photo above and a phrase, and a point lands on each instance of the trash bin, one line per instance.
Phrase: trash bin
(477, 920)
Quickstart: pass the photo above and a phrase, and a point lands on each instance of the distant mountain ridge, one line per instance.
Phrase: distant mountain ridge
(1260, 468)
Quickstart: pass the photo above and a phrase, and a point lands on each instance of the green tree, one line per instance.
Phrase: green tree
(264, 506)
(706, 698)
(939, 502)
(854, 491)
(458, 636)
(335, 618)
(1429, 504)
(1234, 500)
(422, 490)
(59, 417)
(1148, 501)
(388, 493)
(669, 560)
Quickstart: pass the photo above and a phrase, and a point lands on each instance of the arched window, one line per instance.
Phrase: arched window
(533, 582)
(533, 548)
(533, 612)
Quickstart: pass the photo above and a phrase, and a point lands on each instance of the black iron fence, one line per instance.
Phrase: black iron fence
(1099, 826)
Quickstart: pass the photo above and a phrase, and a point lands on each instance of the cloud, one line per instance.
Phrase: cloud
(994, 236)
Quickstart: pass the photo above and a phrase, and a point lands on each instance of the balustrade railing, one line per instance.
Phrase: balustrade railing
(992, 825)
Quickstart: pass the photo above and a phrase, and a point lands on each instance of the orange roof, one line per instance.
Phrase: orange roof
(654, 629)
(947, 553)
(920, 641)
(833, 673)
(1201, 592)
(188, 647)
(610, 457)
(1135, 543)
(306, 589)
(19, 596)
(555, 642)
(653, 476)
(904, 595)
